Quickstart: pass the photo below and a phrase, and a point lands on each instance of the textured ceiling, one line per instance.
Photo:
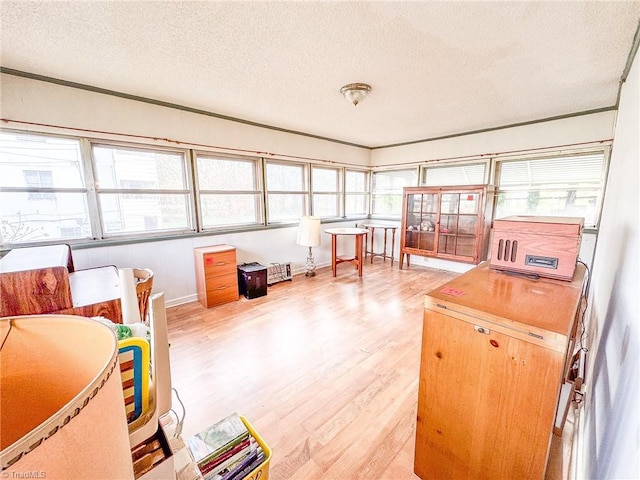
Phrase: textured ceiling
(436, 68)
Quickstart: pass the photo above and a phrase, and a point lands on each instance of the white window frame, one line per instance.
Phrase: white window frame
(22, 234)
(502, 190)
(317, 193)
(257, 192)
(364, 193)
(430, 167)
(304, 193)
(188, 191)
(395, 194)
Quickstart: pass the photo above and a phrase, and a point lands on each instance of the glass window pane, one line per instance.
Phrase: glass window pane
(59, 216)
(355, 181)
(355, 204)
(387, 205)
(226, 174)
(387, 191)
(121, 168)
(455, 175)
(125, 213)
(394, 181)
(285, 178)
(229, 209)
(326, 205)
(324, 179)
(563, 203)
(576, 171)
(35, 161)
(562, 186)
(286, 207)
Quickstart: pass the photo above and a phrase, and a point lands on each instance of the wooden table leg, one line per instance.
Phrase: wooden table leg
(371, 254)
(359, 252)
(393, 244)
(333, 254)
(384, 250)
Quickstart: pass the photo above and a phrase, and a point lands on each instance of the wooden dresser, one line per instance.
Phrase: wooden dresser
(495, 351)
(42, 280)
(216, 274)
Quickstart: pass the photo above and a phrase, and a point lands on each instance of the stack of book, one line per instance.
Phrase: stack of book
(226, 450)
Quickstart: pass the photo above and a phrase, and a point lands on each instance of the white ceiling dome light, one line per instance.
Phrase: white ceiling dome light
(355, 92)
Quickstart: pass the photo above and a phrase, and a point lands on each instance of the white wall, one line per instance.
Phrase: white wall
(29, 100)
(610, 423)
(567, 133)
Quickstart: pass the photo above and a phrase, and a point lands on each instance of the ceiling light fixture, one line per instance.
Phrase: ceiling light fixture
(355, 92)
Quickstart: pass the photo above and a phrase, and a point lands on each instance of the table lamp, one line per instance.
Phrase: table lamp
(309, 236)
(61, 402)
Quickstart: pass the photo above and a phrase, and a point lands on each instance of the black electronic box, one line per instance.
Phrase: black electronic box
(252, 280)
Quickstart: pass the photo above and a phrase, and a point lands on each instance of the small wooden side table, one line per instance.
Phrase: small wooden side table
(358, 233)
(372, 228)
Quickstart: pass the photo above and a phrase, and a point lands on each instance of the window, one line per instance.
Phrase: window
(287, 191)
(229, 191)
(43, 196)
(356, 200)
(569, 186)
(447, 175)
(325, 185)
(387, 191)
(141, 190)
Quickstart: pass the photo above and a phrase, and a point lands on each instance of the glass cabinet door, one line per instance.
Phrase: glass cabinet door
(457, 232)
(422, 212)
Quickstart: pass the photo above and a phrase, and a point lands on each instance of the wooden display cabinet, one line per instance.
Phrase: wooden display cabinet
(446, 222)
(216, 274)
(495, 350)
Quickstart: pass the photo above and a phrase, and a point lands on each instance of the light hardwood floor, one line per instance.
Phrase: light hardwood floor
(326, 370)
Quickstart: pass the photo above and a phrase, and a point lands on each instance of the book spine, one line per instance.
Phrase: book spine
(244, 463)
(224, 456)
(223, 449)
(249, 468)
(238, 456)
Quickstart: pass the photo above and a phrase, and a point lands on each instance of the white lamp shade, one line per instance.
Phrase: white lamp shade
(309, 232)
(61, 400)
(128, 297)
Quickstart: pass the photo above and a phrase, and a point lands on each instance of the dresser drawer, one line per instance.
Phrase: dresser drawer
(223, 263)
(222, 289)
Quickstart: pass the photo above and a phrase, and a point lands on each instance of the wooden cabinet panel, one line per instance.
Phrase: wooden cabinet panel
(43, 290)
(446, 222)
(470, 386)
(216, 274)
(490, 374)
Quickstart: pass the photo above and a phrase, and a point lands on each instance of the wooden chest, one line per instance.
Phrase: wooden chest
(540, 246)
(495, 350)
(216, 274)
